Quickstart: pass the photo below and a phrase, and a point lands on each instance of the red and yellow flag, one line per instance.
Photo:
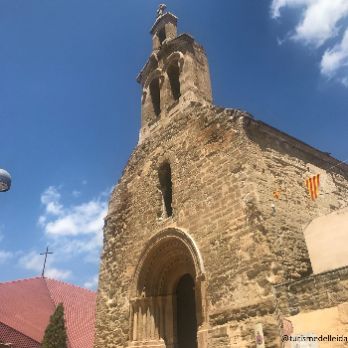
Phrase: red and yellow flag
(313, 186)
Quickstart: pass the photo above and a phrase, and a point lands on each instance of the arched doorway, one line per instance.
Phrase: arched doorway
(168, 295)
(186, 321)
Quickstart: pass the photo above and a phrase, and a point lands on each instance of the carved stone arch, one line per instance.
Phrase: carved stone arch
(167, 258)
(173, 67)
(157, 73)
(153, 248)
(151, 98)
(154, 60)
(169, 157)
(175, 56)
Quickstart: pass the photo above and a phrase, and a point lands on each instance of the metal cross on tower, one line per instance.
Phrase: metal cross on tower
(161, 9)
(44, 266)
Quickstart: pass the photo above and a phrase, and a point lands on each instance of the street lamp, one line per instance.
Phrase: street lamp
(5, 180)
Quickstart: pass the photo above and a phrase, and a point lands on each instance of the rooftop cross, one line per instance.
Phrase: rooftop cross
(44, 266)
(161, 9)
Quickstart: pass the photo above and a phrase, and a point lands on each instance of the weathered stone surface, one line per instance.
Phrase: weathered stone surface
(228, 231)
(317, 305)
(315, 292)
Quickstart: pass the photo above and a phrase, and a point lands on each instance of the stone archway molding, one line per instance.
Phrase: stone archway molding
(155, 74)
(175, 56)
(152, 313)
(159, 237)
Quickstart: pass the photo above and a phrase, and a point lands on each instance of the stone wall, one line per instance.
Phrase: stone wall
(283, 165)
(225, 166)
(319, 291)
(317, 305)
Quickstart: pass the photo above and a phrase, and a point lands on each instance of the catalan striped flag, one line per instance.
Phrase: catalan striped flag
(313, 186)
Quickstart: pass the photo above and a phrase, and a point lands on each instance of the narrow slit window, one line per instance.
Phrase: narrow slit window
(155, 96)
(165, 178)
(174, 74)
(162, 35)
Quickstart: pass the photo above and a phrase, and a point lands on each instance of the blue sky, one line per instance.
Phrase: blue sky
(70, 105)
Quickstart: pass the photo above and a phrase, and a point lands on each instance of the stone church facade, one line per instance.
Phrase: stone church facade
(197, 250)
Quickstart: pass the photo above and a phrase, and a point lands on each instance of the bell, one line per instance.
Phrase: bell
(5, 180)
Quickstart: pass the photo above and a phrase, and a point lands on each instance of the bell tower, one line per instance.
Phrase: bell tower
(176, 73)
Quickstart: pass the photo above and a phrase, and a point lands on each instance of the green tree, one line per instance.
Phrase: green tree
(55, 333)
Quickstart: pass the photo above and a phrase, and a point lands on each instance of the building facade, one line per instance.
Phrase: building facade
(197, 247)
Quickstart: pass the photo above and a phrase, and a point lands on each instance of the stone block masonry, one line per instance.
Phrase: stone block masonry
(196, 246)
(225, 166)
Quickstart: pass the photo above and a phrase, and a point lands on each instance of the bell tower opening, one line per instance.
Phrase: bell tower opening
(174, 74)
(162, 35)
(186, 321)
(155, 96)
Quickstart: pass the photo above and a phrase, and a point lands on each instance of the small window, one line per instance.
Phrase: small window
(173, 74)
(162, 35)
(165, 179)
(155, 96)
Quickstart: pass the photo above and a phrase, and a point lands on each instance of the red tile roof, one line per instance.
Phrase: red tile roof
(26, 306)
(16, 339)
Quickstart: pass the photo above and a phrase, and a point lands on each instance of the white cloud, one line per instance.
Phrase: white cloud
(5, 256)
(76, 231)
(50, 198)
(89, 246)
(321, 21)
(277, 5)
(76, 193)
(56, 273)
(336, 58)
(92, 283)
(42, 220)
(34, 262)
(84, 218)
